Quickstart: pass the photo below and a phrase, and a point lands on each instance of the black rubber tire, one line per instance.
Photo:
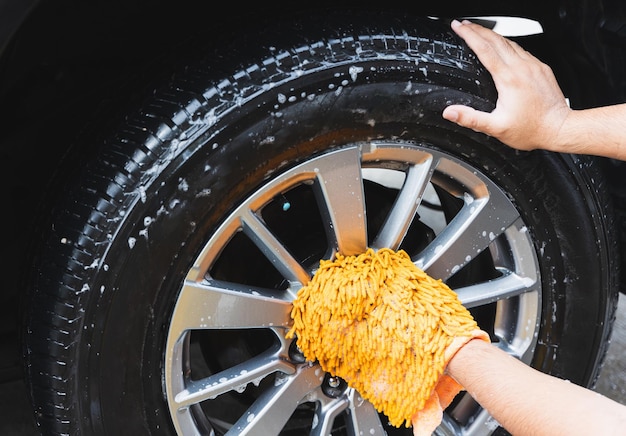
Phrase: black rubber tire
(130, 226)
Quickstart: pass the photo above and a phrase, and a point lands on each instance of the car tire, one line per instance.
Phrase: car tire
(162, 292)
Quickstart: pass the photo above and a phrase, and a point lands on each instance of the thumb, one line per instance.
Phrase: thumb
(466, 116)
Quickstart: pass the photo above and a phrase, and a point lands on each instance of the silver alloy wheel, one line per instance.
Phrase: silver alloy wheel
(486, 222)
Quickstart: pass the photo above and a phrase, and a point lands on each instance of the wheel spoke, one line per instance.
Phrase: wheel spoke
(235, 378)
(485, 215)
(342, 200)
(219, 305)
(363, 416)
(508, 285)
(274, 407)
(271, 247)
(326, 413)
(399, 219)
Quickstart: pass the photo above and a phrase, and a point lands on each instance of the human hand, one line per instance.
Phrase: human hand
(531, 108)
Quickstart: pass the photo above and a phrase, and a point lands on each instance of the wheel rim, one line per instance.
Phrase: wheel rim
(227, 362)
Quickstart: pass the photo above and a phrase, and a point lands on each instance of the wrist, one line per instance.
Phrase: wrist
(566, 132)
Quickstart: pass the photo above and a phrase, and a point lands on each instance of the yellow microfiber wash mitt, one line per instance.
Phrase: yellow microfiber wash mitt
(388, 329)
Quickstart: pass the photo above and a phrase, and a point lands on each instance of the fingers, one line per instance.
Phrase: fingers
(492, 49)
(466, 116)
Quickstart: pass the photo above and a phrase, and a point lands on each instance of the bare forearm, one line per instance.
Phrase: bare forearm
(528, 402)
(599, 131)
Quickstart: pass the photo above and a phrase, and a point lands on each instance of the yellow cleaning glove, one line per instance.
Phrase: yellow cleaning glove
(388, 329)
